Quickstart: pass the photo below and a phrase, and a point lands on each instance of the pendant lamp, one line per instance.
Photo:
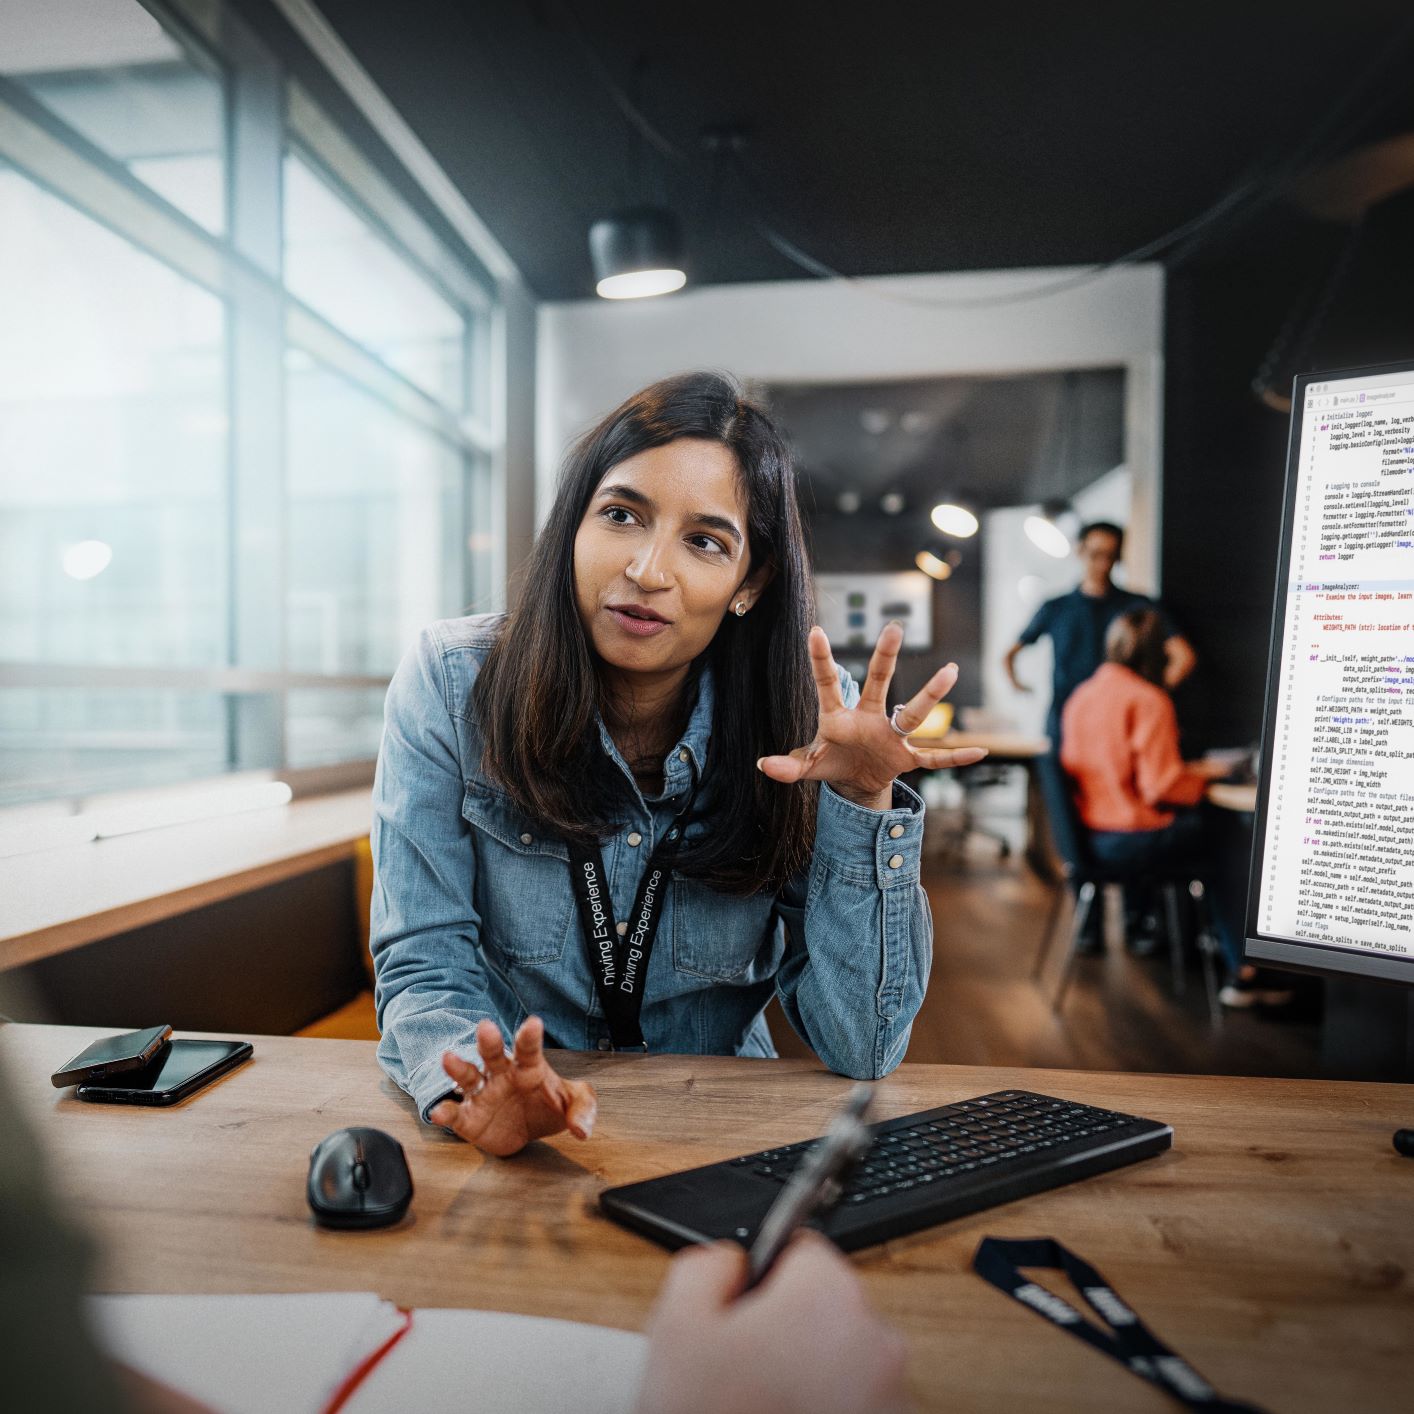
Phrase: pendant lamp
(637, 252)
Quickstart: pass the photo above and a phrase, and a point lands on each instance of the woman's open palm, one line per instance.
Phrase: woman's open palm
(513, 1098)
(856, 749)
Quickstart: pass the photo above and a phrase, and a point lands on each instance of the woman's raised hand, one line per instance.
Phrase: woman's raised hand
(855, 748)
(517, 1097)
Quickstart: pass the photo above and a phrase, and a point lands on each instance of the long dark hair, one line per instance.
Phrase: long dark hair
(538, 690)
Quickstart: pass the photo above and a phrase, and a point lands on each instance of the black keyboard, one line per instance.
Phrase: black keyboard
(921, 1169)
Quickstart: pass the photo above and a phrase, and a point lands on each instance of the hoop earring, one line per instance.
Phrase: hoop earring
(740, 608)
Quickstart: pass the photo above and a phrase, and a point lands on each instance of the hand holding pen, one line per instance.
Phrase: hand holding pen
(801, 1339)
(815, 1186)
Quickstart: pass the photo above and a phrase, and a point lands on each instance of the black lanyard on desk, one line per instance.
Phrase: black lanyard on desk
(1129, 1341)
(620, 963)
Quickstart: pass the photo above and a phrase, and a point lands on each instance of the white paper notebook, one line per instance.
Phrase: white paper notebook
(292, 1353)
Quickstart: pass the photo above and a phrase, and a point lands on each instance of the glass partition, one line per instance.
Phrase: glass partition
(144, 96)
(113, 446)
(246, 428)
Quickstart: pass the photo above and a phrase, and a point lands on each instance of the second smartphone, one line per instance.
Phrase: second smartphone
(182, 1069)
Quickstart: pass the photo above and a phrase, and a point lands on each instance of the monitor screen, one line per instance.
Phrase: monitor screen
(1332, 884)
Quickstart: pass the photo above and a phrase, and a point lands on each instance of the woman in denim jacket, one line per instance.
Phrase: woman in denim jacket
(626, 743)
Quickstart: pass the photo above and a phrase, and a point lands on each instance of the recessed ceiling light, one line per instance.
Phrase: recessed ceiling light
(932, 565)
(1046, 535)
(953, 519)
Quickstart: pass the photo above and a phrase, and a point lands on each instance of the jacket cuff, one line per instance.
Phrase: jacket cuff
(877, 848)
(429, 1083)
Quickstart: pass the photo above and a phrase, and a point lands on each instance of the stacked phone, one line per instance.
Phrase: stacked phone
(148, 1067)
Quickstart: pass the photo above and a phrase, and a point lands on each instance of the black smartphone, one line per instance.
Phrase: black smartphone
(113, 1055)
(181, 1070)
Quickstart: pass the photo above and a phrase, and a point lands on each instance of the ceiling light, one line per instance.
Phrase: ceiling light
(876, 421)
(637, 252)
(1052, 528)
(953, 519)
(86, 559)
(932, 564)
(847, 502)
(891, 503)
(1046, 535)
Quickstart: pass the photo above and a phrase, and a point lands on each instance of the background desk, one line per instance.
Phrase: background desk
(1239, 798)
(60, 899)
(1273, 1246)
(253, 921)
(1003, 748)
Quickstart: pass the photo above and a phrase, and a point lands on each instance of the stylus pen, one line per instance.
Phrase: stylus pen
(816, 1185)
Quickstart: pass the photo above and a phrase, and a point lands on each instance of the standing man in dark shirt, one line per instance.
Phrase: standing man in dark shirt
(1077, 623)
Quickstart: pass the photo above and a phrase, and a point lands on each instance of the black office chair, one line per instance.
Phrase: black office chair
(1084, 875)
(963, 824)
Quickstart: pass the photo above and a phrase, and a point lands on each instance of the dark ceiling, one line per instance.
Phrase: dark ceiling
(998, 441)
(884, 137)
(983, 441)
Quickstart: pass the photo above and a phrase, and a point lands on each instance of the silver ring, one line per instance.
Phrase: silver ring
(893, 721)
(472, 1094)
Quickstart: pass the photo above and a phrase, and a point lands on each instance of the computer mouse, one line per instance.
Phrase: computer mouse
(358, 1178)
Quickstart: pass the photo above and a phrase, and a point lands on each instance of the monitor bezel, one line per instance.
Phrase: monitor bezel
(1280, 952)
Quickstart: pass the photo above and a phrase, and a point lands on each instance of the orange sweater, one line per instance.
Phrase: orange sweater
(1119, 743)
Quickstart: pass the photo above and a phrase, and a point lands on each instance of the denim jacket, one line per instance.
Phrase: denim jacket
(473, 914)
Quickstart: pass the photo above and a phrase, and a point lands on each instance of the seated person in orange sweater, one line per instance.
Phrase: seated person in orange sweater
(1134, 791)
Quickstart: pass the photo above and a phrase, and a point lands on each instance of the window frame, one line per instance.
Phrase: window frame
(267, 112)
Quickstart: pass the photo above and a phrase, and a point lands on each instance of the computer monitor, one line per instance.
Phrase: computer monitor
(1332, 882)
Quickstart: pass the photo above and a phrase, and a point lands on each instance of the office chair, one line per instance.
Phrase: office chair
(974, 780)
(1084, 875)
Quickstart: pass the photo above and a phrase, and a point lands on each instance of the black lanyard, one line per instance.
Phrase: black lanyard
(1129, 1340)
(619, 964)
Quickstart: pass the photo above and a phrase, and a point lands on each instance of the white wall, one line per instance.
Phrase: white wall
(515, 513)
(1017, 577)
(590, 355)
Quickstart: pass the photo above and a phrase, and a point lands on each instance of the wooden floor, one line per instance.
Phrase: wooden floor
(1120, 1013)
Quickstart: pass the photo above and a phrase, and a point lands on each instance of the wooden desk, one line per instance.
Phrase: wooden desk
(1242, 799)
(1009, 749)
(1272, 1246)
(63, 898)
(1004, 748)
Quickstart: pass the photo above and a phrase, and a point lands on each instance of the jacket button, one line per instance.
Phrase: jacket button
(604, 1044)
(895, 831)
(526, 839)
(622, 928)
(635, 839)
(896, 862)
(682, 756)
